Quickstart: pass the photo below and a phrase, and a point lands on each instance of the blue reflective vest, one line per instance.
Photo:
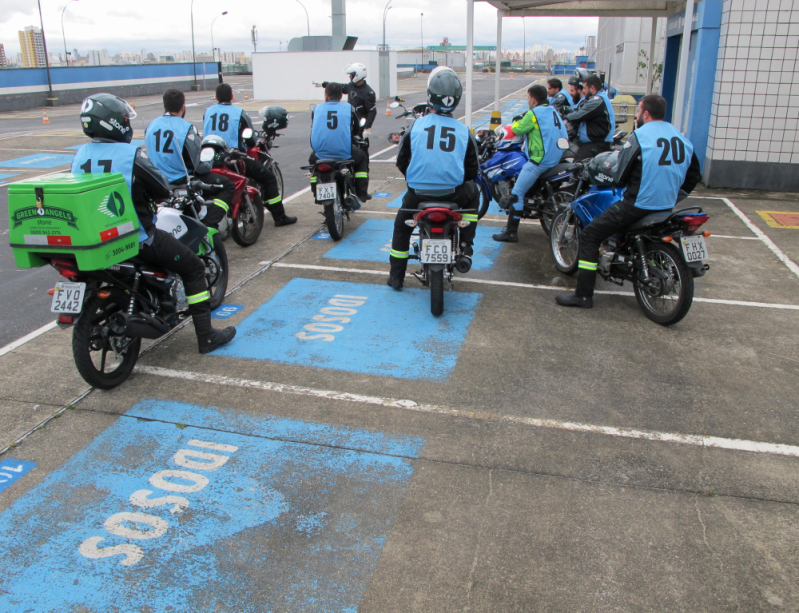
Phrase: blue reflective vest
(97, 158)
(331, 131)
(438, 149)
(551, 127)
(582, 131)
(223, 120)
(665, 156)
(164, 138)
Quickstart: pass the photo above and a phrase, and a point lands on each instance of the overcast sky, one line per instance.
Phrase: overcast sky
(164, 25)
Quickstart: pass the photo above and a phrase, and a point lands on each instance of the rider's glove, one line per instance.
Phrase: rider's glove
(367, 132)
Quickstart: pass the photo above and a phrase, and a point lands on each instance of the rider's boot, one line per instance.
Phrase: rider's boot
(396, 277)
(506, 201)
(208, 339)
(279, 214)
(509, 234)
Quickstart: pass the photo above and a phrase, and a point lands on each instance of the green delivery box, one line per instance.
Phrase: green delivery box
(89, 216)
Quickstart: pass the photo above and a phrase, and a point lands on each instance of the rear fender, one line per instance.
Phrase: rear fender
(253, 192)
(435, 267)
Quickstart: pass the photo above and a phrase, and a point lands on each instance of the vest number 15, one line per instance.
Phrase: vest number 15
(447, 142)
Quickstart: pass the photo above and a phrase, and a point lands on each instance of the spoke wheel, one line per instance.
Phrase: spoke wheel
(567, 250)
(552, 207)
(668, 300)
(93, 345)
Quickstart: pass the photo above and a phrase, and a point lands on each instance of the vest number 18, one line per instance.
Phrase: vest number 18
(447, 142)
(224, 122)
(677, 151)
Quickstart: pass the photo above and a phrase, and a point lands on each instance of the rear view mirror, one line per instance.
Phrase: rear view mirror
(394, 105)
(394, 138)
(246, 133)
(482, 134)
(207, 154)
(563, 143)
(312, 107)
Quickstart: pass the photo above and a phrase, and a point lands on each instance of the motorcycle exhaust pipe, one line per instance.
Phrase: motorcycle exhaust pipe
(463, 264)
(138, 325)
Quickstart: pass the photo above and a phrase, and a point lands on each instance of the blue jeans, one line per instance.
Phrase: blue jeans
(527, 177)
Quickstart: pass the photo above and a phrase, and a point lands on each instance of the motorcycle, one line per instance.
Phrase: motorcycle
(660, 254)
(259, 144)
(335, 189)
(441, 252)
(501, 161)
(417, 111)
(247, 210)
(132, 300)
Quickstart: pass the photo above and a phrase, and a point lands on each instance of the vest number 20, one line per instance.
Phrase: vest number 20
(447, 142)
(677, 151)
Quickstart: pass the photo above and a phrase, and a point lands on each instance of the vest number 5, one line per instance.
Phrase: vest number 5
(447, 142)
(332, 120)
(677, 151)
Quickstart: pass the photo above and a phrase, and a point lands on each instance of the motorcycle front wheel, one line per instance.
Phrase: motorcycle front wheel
(278, 178)
(485, 201)
(216, 273)
(93, 347)
(436, 278)
(565, 251)
(249, 222)
(553, 206)
(670, 299)
(334, 217)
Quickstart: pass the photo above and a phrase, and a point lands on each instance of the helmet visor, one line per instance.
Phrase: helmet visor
(128, 111)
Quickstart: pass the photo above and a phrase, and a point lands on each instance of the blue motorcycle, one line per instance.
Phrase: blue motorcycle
(660, 254)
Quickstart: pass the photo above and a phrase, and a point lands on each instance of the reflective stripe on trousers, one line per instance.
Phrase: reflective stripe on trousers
(198, 297)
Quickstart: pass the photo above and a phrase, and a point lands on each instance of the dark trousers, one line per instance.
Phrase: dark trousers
(167, 251)
(361, 171)
(615, 219)
(266, 179)
(223, 199)
(589, 150)
(466, 196)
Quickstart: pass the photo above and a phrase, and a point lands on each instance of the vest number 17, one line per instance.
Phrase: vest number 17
(447, 142)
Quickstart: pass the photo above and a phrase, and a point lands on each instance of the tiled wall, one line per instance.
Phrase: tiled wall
(755, 110)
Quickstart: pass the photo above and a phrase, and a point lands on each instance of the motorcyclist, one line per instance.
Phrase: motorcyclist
(362, 98)
(655, 163)
(438, 156)
(542, 127)
(106, 120)
(229, 121)
(558, 99)
(173, 146)
(334, 128)
(595, 120)
(576, 91)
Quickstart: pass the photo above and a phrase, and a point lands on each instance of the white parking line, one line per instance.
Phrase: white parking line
(762, 305)
(28, 337)
(698, 440)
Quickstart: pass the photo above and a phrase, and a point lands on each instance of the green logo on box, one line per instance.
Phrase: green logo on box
(45, 212)
(112, 205)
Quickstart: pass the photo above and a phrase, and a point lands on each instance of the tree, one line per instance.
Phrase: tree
(643, 68)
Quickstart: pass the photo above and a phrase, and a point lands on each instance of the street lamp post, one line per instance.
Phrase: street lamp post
(193, 59)
(524, 45)
(385, 14)
(66, 53)
(307, 19)
(50, 100)
(213, 49)
(422, 31)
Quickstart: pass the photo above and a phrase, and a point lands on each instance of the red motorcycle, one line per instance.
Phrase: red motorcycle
(247, 212)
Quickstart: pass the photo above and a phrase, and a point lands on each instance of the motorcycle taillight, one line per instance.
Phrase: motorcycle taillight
(324, 167)
(66, 268)
(692, 222)
(436, 217)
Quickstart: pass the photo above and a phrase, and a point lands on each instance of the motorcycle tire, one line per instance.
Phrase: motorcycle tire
(436, 291)
(279, 177)
(247, 226)
(334, 217)
(485, 202)
(566, 255)
(553, 206)
(667, 259)
(218, 288)
(87, 339)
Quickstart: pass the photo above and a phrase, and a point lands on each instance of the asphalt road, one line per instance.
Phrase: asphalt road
(24, 304)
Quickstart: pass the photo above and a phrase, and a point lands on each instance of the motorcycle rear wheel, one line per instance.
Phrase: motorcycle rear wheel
(218, 288)
(436, 278)
(334, 217)
(90, 350)
(247, 226)
(669, 308)
(566, 253)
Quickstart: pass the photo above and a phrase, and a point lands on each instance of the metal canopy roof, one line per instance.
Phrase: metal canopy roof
(586, 8)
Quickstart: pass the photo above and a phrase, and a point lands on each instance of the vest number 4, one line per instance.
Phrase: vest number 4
(447, 142)
(224, 122)
(677, 151)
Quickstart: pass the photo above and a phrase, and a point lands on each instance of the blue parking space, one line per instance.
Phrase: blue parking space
(38, 160)
(344, 326)
(154, 517)
(371, 242)
(396, 203)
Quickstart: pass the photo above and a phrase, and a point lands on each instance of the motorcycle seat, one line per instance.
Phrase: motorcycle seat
(557, 170)
(336, 163)
(651, 220)
(438, 205)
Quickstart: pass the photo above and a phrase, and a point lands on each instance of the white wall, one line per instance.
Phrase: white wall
(290, 76)
(634, 33)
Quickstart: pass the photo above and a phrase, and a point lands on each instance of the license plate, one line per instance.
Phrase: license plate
(436, 251)
(68, 298)
(694, 248)
(326, 191)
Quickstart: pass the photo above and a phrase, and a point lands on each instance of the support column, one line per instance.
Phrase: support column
(682, 77)
(470, 60)
(496, 114)
(651, 55)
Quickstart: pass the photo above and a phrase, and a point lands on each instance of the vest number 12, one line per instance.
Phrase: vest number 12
(447, 142)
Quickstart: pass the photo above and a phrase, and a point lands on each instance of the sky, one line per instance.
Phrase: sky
(165, 25)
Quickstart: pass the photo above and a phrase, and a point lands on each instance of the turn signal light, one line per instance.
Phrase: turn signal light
(51, 291)
(667, 239)
(463, 224)
(102, 294)
(410, 222)
(706, 234)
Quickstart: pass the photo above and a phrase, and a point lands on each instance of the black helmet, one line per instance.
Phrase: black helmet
(275, 117)
(106, 116)
(576, 81)
(600, 168)
(444, 90)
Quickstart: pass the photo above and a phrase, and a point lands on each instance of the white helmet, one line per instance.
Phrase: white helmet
(356, 71)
